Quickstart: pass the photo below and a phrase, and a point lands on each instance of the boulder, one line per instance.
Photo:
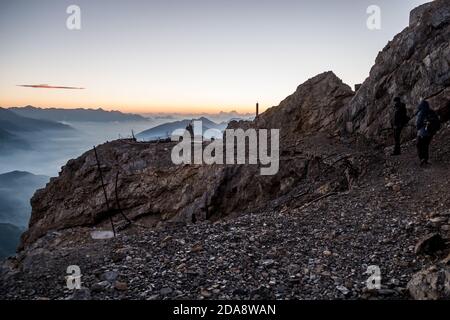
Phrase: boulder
(430, 284)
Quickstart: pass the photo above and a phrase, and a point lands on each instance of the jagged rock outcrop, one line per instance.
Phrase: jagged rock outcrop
(316, 106)
(414, 65)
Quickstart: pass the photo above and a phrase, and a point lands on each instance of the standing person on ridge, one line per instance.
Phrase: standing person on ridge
(401, 119)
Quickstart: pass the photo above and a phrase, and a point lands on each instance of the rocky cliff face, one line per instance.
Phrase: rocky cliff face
(414, 65)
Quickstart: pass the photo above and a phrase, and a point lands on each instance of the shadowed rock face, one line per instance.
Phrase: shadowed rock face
(414, 65)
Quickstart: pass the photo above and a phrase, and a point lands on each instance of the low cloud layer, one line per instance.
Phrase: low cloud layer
(46, 86)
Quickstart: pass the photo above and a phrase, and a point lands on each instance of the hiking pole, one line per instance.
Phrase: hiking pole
(104, 192)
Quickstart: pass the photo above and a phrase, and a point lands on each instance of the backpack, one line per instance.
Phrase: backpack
(432, 123)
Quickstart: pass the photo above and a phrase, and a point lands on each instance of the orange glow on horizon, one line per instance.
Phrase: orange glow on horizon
(139, 108)
(128, 102)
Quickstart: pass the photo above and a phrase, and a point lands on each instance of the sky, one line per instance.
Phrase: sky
(185, 56)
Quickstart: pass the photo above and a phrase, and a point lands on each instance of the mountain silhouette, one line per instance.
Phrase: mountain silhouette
(14, 123)
(75, 115)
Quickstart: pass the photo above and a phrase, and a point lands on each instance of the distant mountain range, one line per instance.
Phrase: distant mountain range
(76, 115)
(216, 117)
(165, 130)
(16, 130)
(15, 123)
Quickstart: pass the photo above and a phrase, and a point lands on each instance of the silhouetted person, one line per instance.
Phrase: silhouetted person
(428, 125)
(400, 121)
(190, 129)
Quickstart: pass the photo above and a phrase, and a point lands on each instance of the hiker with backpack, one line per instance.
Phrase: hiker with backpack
(428, 124)
(401, 119)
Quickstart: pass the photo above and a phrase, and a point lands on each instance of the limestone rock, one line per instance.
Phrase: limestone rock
(317, 105)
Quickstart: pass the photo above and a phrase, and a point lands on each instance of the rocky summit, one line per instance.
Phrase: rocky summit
(316, 106)
(339, 206)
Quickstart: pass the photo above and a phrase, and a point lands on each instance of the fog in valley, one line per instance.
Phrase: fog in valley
(50, 150)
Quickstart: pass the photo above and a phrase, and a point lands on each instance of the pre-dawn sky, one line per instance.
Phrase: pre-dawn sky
(184, 55)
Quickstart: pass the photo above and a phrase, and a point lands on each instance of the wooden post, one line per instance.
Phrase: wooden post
(257, 109)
